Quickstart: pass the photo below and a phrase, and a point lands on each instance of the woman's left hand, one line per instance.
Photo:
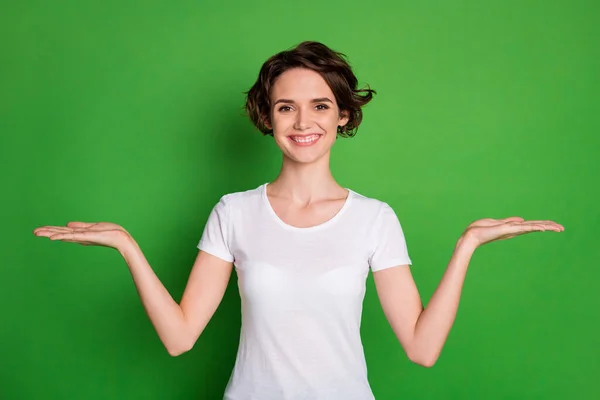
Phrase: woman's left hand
(488, 230)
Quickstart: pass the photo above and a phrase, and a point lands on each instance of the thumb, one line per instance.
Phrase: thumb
(513, 219)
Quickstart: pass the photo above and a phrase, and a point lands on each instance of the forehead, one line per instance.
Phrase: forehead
(300, 83)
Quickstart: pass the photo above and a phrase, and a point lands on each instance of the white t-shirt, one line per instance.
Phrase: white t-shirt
(302, 291)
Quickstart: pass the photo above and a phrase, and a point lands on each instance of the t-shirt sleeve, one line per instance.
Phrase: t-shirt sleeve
(389, 247)
(216, 234)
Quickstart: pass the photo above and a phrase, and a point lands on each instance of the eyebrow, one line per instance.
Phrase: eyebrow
(317, 100)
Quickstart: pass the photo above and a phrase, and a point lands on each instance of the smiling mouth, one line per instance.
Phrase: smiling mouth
(306, 139)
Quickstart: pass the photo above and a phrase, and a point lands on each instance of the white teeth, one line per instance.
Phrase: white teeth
(306, 139)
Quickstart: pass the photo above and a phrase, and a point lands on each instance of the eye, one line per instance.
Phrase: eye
(283, 108)
(323, 106)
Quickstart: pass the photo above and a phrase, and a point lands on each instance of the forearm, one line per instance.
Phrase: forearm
(436, 320)
(165, 314)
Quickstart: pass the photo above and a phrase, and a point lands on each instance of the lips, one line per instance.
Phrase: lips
(305, 140)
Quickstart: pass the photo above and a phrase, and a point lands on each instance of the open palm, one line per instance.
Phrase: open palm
(488, 230)
(86, 233)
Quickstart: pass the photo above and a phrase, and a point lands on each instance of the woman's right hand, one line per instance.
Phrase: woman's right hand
(87, 234)
(178, 326)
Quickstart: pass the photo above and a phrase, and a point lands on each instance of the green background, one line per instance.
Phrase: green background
(130, 112)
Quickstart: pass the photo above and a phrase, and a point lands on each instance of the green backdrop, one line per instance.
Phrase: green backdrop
(130, 112)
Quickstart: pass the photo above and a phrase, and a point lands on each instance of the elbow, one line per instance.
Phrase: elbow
(178, 349)
(424, 360)
(427, 363)
(175, 352)
(181, 343)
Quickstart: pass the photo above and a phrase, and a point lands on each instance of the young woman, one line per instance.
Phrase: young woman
(302, 246)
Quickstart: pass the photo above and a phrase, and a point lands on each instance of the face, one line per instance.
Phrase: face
(304, 115)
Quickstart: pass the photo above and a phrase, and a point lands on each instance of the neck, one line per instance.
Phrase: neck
(306, 182)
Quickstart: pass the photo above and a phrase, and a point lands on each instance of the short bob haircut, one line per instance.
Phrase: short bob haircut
(331, 65)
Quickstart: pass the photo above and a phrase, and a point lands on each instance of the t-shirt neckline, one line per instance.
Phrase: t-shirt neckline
(338, 215)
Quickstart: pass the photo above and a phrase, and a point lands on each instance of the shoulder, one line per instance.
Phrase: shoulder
(370, 205)
(241, 198)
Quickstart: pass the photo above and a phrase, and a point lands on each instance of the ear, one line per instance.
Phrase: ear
(267, 123)
(343, 118)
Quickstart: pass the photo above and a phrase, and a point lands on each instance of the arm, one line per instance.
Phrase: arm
(179, 325)
(423, 332)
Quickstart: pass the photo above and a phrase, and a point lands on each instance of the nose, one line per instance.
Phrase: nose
(302, 121)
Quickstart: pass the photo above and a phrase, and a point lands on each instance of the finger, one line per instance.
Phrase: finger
(518, 228)
(540, 221)
(524, 231)
(549, 225)
(59, 236)
(543, 221)
(69, 236)
(44, 228)
(50, 230)
(79, 224)
(535, 227)
(526, 228)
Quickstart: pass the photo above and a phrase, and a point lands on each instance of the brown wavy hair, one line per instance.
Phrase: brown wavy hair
(331, 65)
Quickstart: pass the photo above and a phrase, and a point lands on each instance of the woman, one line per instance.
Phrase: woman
(302, 246)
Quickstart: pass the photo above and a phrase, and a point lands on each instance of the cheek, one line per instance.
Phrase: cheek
(330, 121)
(282, 122)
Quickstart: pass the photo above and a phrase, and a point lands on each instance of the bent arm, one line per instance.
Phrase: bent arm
(422, 332)
(179, 325)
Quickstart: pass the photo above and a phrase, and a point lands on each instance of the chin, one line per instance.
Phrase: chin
(306, 158)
